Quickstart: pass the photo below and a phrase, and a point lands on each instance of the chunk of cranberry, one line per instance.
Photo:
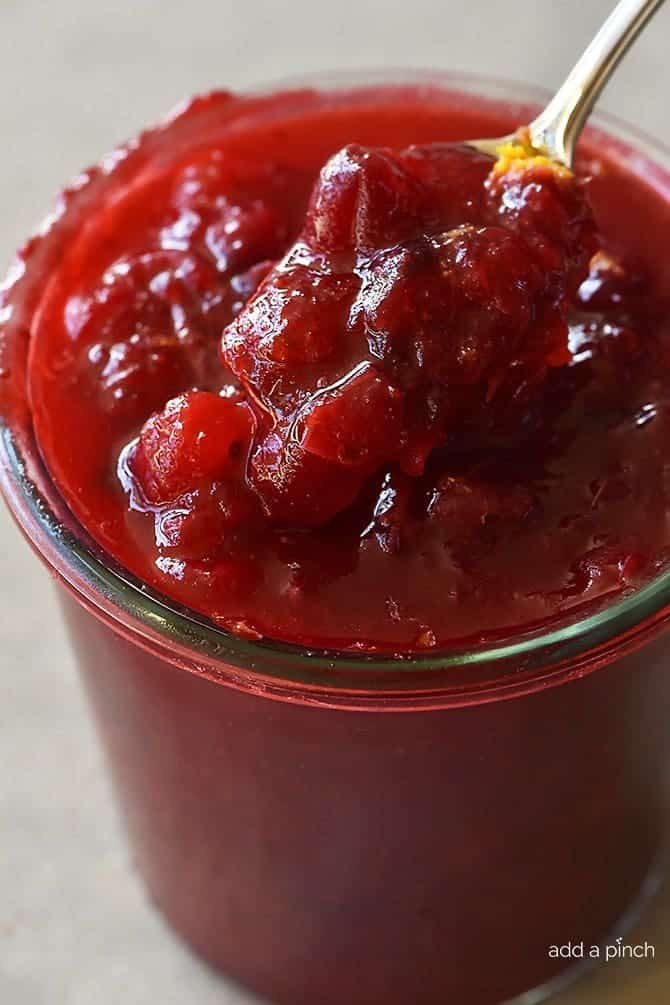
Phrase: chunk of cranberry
(548, 208)
(146, 332)
(298, 488)
(454, 175)
(491, 269)
(198, 435)
(286, 346)
(230, 209)
(357, 424)
(154, 292)
(366, 199)
(203, 522)
(295, 319)
(457, 308)
(213, 179)
(245, 235)
(204, 179)
(134, 376)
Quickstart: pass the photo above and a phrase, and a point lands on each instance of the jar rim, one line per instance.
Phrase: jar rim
(520, 661)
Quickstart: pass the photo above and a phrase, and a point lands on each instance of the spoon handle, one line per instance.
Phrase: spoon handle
(557, 128)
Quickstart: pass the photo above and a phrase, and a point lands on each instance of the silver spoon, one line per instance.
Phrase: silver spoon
(554, 133)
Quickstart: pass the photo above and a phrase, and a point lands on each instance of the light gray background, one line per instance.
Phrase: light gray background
(78, 76)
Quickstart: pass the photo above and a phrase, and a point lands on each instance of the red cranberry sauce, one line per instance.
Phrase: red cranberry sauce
(396, 401)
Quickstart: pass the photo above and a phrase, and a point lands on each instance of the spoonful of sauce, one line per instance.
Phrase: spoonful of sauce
(426, 297)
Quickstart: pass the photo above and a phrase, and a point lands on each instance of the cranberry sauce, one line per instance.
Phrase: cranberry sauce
(333, 378)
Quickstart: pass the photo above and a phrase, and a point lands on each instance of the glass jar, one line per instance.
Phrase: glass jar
(326, 827)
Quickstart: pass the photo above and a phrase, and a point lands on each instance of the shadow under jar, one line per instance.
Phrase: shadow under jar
(330, 827)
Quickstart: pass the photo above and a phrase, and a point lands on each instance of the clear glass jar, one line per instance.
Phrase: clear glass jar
(327, 827)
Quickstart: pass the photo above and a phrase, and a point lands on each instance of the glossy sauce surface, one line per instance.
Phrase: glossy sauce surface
(443, 415)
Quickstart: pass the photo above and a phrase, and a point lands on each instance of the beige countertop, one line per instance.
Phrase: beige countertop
(77, 77)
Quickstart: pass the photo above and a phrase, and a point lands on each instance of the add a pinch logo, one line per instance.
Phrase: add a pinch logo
(617, 950)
